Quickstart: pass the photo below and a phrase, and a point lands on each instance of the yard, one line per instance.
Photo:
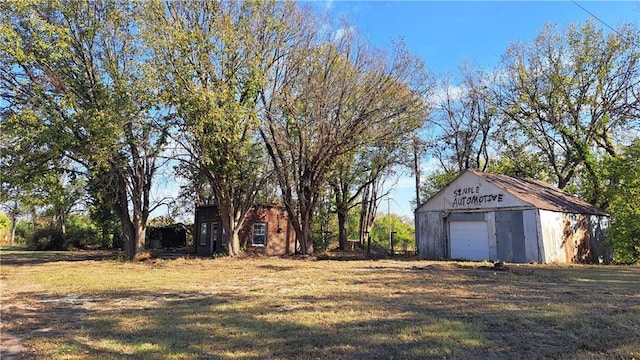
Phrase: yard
(88, 305)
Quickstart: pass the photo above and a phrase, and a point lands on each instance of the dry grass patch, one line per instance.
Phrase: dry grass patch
(65, 308)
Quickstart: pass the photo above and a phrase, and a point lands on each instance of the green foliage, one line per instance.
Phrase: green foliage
(48, 238)
(624, 198)
(518, 161)
(5, 229)
(5, 222)
(82, 233)
(436, 181)
(562, 101)
(210, 57)
(24, 229)
(78, 86)
(404, 232)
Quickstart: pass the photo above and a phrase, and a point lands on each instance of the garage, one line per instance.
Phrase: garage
(469, 240)
(481, 216)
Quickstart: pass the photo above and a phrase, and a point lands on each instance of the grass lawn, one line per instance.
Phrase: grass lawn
(86, 305)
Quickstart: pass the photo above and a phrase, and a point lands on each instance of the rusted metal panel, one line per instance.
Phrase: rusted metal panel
(540, 194)
(574, 238)
(583, 238)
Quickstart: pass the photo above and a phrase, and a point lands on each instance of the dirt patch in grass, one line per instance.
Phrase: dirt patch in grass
(271, 308)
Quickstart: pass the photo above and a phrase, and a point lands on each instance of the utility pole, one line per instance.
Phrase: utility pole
(389, 223)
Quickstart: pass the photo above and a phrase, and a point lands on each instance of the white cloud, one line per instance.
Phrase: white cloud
(342, 32)
(328, 5)
(440, 95)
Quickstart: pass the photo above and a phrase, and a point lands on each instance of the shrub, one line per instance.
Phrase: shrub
(46, 239)
(82, 233)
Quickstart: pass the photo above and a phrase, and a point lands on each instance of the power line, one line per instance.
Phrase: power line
(596, 17)
(603, 22)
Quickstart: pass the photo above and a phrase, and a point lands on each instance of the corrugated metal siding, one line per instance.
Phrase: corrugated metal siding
(530, 225)
(510, 236)
(552, 232)
(545, 229)
(574, 238)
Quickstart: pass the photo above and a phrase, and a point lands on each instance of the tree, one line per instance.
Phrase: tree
(215, 57)
(60, 192)
(12, 206)
(333, 95)
(465, 115)
(435, 181)
(77, 83)
(624, 197)
(371, 195)
(568, 95)
(354, 174)
(393, 226)
(5, 225)
(101, 204)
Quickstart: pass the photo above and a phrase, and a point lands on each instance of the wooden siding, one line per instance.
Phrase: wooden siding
(430, 233)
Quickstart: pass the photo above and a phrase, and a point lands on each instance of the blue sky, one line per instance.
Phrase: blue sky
(445, 33)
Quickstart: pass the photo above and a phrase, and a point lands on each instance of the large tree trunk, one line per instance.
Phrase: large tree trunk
(134, 226)
(302, 227)
(306, 242)
(134, 234)
(230, 226)
(233, 239)
(234, 243)
(128, 236)
(140, 231)
(342, 228)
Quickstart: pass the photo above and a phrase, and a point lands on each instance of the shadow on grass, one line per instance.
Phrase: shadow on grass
(408, 313)
(23, 256)
(194, 326)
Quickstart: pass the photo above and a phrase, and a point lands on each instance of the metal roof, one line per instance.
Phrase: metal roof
(540, 194)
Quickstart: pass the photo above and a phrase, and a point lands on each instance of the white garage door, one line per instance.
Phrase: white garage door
(469, 240)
